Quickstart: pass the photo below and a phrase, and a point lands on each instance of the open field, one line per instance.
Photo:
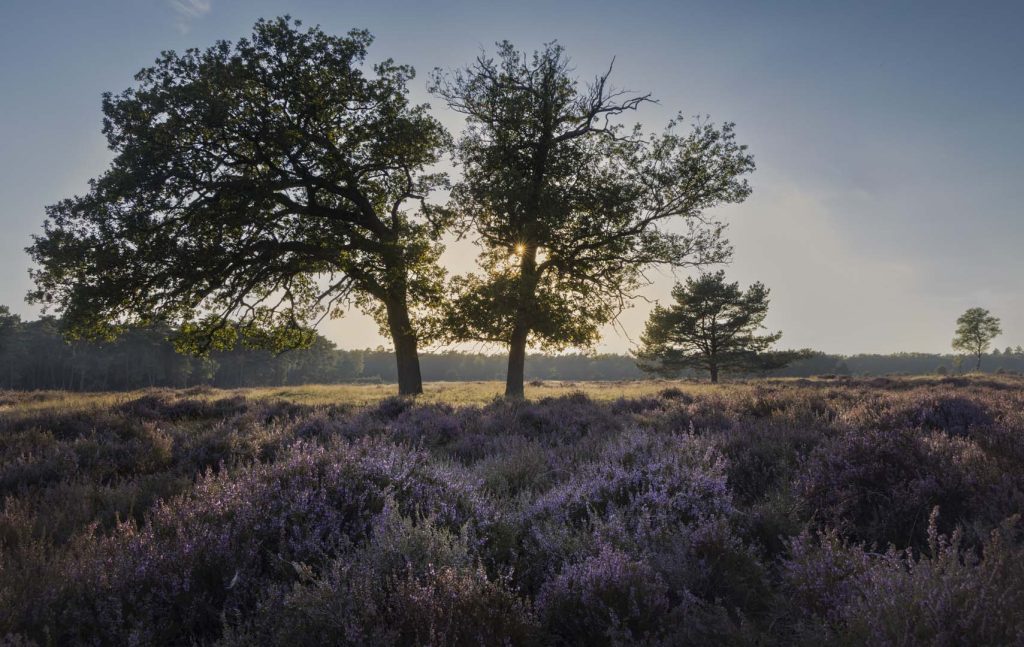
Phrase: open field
(14, 403)
(875, 511)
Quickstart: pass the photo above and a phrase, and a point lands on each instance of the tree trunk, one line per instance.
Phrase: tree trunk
(521, 329)
(410, 382)
(516, 364)
(714, 374)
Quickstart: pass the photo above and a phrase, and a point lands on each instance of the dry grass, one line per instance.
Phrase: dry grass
(469, 392)
(13, 403)
(17, 402)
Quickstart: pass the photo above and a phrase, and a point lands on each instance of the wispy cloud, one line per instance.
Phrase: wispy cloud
(188, 11)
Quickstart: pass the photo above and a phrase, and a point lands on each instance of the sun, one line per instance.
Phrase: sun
(520, 249)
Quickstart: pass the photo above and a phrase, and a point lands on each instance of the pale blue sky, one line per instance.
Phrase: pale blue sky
(888, 135)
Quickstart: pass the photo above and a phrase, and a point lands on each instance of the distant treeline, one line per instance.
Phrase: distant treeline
(33, 355)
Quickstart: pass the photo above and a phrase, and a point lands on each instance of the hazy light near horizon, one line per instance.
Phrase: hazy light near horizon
(887, 136)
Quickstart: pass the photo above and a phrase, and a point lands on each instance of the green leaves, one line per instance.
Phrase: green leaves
(255, 185)
(975, 330)
(548, 166)
(712, 326)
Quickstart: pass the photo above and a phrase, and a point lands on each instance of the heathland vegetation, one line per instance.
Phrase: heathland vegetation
(810, 512)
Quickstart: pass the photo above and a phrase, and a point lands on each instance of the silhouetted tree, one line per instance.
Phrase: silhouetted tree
(975, 330)
(570, 207)
(9, 347)
(712, 326)
(256, 188)
(8, 324)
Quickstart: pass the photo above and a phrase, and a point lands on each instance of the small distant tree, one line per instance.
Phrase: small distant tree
(711, 326)
(975, 330)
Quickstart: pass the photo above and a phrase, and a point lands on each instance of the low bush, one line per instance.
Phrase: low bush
(948, 595)
(879, 486)
(761, 513)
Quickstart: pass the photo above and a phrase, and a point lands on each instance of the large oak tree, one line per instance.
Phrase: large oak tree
(256, 188)
(569, 206)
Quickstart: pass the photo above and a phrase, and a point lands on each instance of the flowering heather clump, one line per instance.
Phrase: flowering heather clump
(607, 599)
(411, 583)
(156, 407)
(700, 416)
(633, 406)
(520, 465)
(820, 576)
(212, 551)
(403, 421)
(879, 486)
(571, 427)
(769, 513)
(553, 420)
(322, 423)
(946, 598)
(762, 458)
(430, 425)
(948, 595)
(953, 411)
(675, 479)
(952, 414)
(642, 488)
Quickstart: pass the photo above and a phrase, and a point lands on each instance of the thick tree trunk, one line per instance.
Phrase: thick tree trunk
(410, 382)
(516, 364)
(521, 329)
(714, 374)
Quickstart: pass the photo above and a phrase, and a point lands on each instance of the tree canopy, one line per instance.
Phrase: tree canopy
(8, 324)
(256, 188)
(712, 325)
(975, 330)
(568, 205)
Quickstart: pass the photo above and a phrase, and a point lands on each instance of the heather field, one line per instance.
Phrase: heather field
(853, 511)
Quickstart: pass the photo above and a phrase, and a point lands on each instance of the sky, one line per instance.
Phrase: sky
(887, 135)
